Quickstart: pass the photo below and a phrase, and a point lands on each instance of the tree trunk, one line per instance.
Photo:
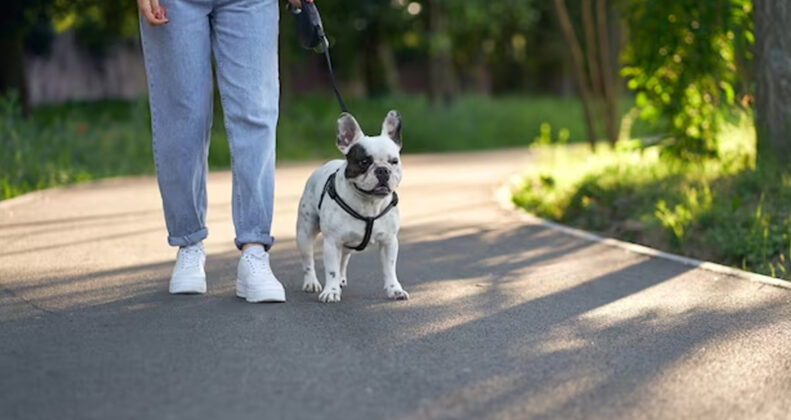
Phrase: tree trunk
(441, 77)
(12, 72)
(609, 78)
(373, 67)
(389, 67)
(590, 48)
(483, 80)
(579, 68)
(773, 81)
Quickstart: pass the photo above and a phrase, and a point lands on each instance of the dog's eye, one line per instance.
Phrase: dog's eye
(365, 162)
(394, 161)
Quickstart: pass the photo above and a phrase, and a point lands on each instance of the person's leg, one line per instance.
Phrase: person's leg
(178, 68)
(244, 41)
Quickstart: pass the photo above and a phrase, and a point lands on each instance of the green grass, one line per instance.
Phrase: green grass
(721, 209)
(74, 142)
(56, 147)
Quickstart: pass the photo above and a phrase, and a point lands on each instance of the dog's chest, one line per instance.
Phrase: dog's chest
(350, 231)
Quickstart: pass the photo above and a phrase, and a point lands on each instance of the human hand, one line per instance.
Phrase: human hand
(295, 4)
(153, 13)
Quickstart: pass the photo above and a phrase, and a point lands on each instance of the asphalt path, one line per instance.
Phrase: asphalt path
(506, 319)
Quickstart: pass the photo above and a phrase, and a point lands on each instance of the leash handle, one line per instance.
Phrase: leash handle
(310, 32)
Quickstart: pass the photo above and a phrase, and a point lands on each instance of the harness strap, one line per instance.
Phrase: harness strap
(329, 189)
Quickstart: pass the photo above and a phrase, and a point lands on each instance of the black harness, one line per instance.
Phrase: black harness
(329, 189)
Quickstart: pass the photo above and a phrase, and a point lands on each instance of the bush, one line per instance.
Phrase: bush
(69, 147)
(722, 209)
(689, 62)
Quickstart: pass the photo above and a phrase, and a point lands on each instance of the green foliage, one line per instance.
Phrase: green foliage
(509, 36)
(497, 45)
(99, 23)
(682, 214)
(720, 209)
(686, 60)
(80, 141)
(514, 42)
(76, 145)
(19, 16)
(545, 135)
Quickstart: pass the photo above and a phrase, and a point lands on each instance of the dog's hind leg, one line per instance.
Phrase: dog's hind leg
(307, 229)
(345, 255)
(388, 253)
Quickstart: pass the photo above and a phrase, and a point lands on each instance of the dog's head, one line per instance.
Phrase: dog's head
(373, 163)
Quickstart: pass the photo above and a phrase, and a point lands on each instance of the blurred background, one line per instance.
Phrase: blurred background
(680, 109)
(466, 75)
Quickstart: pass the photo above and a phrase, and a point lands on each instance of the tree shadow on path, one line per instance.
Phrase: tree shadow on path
(509, 321)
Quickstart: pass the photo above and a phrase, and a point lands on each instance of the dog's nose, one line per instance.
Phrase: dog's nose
(382, 174)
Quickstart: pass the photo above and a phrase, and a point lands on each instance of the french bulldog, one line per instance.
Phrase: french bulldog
(352, 202)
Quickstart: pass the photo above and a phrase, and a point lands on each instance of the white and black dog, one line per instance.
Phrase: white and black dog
(352, 202)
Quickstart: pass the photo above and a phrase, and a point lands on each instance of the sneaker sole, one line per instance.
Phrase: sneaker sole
(272, 295)
(195, 287)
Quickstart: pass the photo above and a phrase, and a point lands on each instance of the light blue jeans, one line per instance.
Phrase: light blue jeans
(242, 35)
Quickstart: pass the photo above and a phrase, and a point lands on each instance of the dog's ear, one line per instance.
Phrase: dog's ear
(391, 127)
(349, 132)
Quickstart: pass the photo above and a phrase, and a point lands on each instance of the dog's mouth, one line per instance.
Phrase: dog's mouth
(380, 190)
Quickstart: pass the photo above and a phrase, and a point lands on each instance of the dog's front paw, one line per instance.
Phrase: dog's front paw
(330, 295)
(311, 285)
(396, 292)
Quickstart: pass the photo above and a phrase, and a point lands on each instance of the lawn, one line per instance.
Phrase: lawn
(74, 142)
(722, 209)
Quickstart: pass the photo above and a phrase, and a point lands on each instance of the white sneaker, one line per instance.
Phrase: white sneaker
(188, 274)
(255, 281)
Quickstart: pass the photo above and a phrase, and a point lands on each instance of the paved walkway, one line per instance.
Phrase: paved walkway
(505, 320)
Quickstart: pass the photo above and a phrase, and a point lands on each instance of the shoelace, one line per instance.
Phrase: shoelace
(255, 261)
(189, 257)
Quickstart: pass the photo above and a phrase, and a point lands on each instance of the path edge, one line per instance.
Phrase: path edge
(503, 195)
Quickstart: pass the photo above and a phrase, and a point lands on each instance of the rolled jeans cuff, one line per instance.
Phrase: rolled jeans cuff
(190, 239)
(255, 238)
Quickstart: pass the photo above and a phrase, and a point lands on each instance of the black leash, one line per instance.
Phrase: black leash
(332, 74)
(329, 189)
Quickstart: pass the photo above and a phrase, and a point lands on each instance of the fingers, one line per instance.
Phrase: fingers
(152, 12)
(159, 11)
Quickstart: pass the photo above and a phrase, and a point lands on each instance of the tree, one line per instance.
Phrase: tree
(27, 26)
(773, 80)
(683, 60)
(495, 44)
(442, 87)
(16, 22)
(599, 85)
(579, 69)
